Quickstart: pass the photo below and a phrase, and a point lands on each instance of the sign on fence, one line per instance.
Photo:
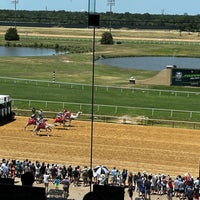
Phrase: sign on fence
(185, 77)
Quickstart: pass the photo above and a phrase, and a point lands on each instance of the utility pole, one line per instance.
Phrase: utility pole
(110, 3)
(15, 2)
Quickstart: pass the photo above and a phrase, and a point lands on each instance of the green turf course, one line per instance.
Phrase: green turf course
(76, 68)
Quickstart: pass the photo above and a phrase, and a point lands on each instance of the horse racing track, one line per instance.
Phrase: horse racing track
(136, 148)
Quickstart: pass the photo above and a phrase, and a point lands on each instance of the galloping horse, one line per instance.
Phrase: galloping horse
(31, 121)
(67, 117)
(44, 126)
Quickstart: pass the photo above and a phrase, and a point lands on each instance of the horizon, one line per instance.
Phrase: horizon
(170, 7)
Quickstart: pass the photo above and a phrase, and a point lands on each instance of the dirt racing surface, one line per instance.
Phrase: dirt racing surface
(137, 148)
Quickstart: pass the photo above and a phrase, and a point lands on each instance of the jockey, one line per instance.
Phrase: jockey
(40, 120)
(59, 115)
(64, 112)
(33, 115)
(40, 113)
(33, 110)
(40, 117)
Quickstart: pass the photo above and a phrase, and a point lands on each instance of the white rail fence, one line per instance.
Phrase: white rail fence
(98, 107)
(107, 88)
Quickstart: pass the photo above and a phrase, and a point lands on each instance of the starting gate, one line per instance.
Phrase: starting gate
(6, 113)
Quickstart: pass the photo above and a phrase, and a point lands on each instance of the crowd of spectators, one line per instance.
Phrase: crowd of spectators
(144, 184)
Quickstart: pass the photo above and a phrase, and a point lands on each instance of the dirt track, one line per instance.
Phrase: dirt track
(136, 148)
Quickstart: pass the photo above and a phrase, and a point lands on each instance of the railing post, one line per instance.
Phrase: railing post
(171, 114)
(115, 109)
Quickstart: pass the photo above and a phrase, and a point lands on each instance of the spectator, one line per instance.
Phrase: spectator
(70, 173)
(76, 176)
(57, 183)
(66, 183)
(124, 177)
(170, 189)
(131, 189)
(130, 179)
(46, 178)
(85, 175)
(147, 186)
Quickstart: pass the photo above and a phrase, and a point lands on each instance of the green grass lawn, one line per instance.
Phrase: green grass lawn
(77, 68)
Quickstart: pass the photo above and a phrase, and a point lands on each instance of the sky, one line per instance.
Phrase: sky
(179, 7)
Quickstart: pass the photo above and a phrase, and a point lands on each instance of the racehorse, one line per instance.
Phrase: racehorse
(31, 121)
(44, 126)
(67, 117)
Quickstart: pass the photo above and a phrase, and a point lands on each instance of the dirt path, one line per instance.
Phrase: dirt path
(136, 148)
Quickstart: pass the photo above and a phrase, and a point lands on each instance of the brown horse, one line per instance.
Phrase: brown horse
(67, 117)
(44, 126)
(31, 121)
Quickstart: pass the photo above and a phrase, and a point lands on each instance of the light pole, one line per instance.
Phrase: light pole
(110, 3)
(93, 21)
(15, 2)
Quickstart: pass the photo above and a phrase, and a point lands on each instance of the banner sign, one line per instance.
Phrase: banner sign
(185, 77)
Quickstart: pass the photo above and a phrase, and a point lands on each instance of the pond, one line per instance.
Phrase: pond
(26, 51)
(151, 63)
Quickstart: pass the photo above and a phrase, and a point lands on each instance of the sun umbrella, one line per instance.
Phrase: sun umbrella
(100, 169)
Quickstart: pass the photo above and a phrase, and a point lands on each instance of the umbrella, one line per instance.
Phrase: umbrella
(100, 169)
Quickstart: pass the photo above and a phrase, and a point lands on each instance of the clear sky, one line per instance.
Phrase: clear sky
(191, 7)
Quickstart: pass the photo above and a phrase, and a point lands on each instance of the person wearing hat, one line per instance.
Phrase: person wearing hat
(65, 182)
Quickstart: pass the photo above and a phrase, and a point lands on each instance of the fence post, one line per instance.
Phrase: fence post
(152, 111)
(171, 114)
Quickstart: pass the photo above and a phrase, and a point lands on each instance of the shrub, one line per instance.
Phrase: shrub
(107, 38)
(11, 34)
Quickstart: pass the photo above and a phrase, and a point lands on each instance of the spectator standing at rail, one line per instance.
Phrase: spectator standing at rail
(85, 176)
(124, 177)
(76, 176)
(56, 183)
(176, 189)
(5, 169)
(170, 189)
(196, 188)
(64, 172)
(181, 187)
(70, 173)
(19, 169)
(65, 182)
(131, 189)
(147, 187)
(130, 179)
(46, 178)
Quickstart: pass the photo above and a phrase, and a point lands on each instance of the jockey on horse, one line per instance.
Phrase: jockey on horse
(32, 120)
(62, 116)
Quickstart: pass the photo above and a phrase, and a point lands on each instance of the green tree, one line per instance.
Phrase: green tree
(11, 34)
(107, 38)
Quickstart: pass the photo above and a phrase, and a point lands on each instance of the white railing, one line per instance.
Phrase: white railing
(99, 107)
(59, 84)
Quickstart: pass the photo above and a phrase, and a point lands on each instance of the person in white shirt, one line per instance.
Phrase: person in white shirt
(46, 178)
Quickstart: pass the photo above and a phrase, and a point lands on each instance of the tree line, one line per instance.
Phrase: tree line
(128, 20)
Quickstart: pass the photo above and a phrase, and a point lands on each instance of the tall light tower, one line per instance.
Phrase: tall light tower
(93, 22)
(15, 2)
(110, 3)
